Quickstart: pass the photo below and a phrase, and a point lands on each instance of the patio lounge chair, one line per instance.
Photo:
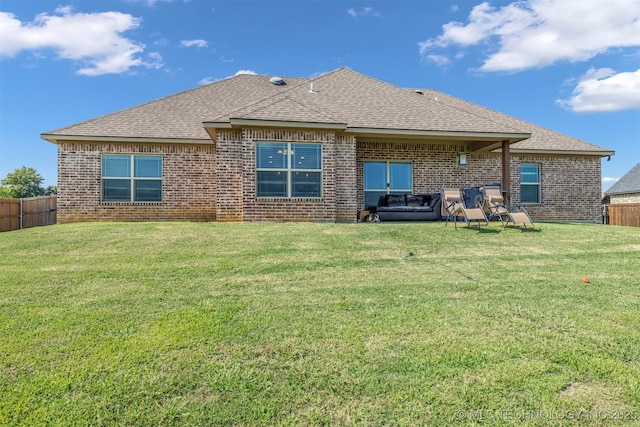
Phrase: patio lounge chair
(494, 204)
(521, 218)
(453, 203)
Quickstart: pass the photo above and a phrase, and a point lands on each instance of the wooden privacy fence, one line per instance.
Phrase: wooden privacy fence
(24, 213)
(624, 214)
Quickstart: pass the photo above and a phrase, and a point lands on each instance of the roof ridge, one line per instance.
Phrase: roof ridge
(517, 119)
(478, 106)
(285, 97)
(247, 107)
(163, 98)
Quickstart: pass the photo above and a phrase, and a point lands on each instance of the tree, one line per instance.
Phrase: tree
(24, 182)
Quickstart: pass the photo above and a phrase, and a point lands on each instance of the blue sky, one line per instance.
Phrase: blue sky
(569, 65)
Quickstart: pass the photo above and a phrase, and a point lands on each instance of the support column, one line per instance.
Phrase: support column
(345, 178)
(229, 176)
(506, 173)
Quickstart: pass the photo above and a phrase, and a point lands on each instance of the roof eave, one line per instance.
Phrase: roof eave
(512, 137)
(605, 153)
(56, 139)
(235, 123)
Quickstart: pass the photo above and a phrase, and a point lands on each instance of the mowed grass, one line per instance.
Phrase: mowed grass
(205, 324)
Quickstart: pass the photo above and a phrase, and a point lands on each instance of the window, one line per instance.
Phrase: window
(131, 178)
(386, 178)
(288, 170)
(529, 183)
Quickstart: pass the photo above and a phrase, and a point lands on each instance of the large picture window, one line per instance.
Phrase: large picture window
(529, 183)
(131, 178)
(288, 170)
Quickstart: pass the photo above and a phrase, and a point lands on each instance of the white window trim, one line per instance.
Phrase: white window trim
(289, 170)
(132, 179)
(538, 184)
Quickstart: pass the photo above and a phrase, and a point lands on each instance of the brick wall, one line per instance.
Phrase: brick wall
(188, 185)
(230, 175)
(616, 199)
(346, 179)
(257, 209)
(570, 185)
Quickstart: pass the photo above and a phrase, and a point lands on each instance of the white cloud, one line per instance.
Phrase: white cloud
(152, 3)
(208, 80)
(363, 11)
(439, 60)
(607, 180)
(536, 33)
(94, 40)
(245, 72)
(605, 90)
(196, 43)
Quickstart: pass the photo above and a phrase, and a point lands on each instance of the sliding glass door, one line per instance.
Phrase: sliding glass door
(386, 178)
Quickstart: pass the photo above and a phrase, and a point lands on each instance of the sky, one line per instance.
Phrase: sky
(572, 66)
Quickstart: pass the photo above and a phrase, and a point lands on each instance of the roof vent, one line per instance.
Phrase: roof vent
(419, 92)
(277, 81)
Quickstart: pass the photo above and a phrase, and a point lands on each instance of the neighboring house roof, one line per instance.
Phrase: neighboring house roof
(629, 183)
(342, 99)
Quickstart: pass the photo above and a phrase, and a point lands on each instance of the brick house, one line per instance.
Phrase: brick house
(254, 148)
(627, 189)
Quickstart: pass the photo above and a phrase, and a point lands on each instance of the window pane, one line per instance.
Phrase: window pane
(116, 190)
(271, 184)
(530, 173)
(371, 198)
(528, 178)
(148, 190)
(529, 194)
(400, 176)
(375, 176)
(148, 166)
(306, 156)
(116, 166)
(306, 184)
(271, 155)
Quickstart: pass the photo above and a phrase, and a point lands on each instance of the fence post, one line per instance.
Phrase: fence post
(20, 214)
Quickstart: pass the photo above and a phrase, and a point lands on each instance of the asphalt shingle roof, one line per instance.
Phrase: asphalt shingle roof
(629, 183)
(341, 96)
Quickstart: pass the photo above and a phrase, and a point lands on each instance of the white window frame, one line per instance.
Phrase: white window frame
(289, 170)
(387, 189)
(531, 184)
(132, 179)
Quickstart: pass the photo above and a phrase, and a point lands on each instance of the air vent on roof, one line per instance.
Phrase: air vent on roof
(419, 92)
(278, 81)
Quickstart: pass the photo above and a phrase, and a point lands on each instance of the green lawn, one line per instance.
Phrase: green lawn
(205, 324)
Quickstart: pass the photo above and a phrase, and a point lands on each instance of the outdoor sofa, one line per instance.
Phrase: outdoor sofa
(409, 207)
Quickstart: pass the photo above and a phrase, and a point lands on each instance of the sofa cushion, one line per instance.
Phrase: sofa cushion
(395, 200)
(423, 209)
(401, 208)
(414, 200)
